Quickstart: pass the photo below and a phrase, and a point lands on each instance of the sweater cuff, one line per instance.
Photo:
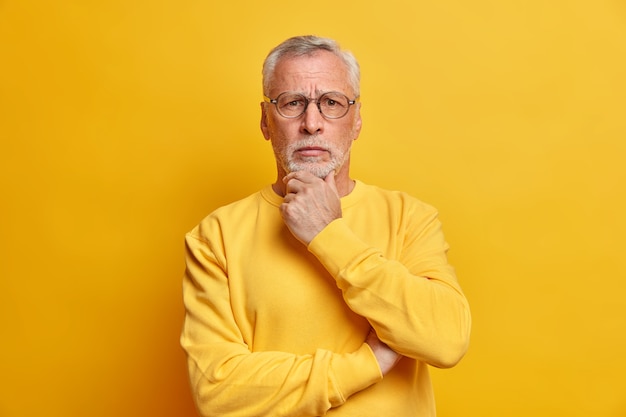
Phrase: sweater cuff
(353, 372)
(336, 246)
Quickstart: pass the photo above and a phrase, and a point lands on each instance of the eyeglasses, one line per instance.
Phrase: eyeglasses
(332, 105)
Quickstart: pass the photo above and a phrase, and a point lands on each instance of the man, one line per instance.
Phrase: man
(318, 295)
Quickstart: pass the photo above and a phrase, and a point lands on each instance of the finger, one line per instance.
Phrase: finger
(288, 197)
(304, 176)
(293, 185)
(296, 181)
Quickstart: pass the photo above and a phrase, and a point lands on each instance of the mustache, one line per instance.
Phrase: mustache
(310, 142)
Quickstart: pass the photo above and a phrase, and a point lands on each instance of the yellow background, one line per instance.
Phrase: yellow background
(123, 123)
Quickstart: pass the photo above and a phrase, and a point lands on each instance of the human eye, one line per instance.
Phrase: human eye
(291, 102)
(333, 100)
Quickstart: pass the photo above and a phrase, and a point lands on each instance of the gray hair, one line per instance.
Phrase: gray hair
(308, 45)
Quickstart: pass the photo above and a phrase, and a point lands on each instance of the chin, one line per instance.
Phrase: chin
(320, 171)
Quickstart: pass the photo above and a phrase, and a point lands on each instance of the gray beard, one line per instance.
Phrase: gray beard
(337, 159)
(314, 168)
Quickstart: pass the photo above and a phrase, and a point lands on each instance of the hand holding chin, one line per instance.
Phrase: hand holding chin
(310, 204)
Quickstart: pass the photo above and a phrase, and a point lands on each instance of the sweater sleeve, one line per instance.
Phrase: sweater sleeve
(414, 302)
(228, 379)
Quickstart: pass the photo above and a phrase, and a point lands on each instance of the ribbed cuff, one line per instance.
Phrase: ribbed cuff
(353, 372)
(337, 246)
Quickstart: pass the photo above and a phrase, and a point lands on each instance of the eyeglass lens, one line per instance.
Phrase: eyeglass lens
(333, 105)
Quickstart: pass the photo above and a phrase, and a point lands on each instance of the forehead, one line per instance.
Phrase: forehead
(321, 71)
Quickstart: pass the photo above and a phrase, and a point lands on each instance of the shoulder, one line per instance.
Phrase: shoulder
(228, 216)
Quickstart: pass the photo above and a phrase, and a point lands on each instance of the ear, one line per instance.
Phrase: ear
(358, 121)
(264, 125)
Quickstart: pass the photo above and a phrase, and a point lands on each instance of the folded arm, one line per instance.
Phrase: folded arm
(228, 378)
(414, 303)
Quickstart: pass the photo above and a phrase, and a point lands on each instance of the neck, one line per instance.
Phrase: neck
(345, 185)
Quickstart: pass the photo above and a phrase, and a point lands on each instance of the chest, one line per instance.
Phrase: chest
(284, 299)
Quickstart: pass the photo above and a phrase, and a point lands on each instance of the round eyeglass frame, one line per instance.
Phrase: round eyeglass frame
(308, 100)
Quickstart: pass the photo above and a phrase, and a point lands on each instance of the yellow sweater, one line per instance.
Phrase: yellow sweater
(274, 328)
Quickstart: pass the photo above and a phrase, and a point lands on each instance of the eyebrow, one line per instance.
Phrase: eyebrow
(318, 93)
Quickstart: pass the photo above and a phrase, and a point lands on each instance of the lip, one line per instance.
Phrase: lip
(311, 151)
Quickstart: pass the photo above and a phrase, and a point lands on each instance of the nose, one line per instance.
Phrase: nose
(312, 120)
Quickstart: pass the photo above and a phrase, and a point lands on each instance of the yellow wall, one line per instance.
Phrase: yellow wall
(122, 123)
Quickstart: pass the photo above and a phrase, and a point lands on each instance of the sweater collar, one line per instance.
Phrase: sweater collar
(351, 199)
